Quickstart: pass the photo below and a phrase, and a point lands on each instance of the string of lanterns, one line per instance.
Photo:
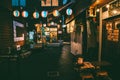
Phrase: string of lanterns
(44, 14)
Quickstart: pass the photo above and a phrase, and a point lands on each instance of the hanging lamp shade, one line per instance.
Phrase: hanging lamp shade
(16, 13)
(25, 14)
(69, 11)
(36, 15)
(56, 13)
(44, 14)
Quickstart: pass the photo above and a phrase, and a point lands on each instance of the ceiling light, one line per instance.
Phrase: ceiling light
(98, 10)
(107, 6)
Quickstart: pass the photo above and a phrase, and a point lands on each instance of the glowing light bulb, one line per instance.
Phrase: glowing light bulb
(98, 10)
(107, 6)
(114, 11)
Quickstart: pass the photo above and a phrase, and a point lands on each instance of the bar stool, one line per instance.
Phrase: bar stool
(85, 76)
(102, 73)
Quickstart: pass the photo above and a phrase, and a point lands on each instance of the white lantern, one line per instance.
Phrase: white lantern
(16, 13)
(69, 11)
(44, 14)
(36, 15)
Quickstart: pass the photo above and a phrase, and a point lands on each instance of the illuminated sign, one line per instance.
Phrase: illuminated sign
(19, 3)
(53, 29)
(22, 2)
(14, 2)
(49, 2)
(18, 31)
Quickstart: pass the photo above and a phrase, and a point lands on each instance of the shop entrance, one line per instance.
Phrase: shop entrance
(53, 36)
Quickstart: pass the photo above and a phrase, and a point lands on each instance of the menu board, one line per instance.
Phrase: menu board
(112, 32)
(116, 35)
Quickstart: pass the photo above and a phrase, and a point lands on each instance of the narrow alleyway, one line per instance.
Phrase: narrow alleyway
(50, 63)
(47, 64)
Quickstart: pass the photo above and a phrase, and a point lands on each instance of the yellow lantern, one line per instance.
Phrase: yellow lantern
(56, 13)
(36, 15)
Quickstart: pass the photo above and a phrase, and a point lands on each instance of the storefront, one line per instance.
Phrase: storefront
(46, 34)
(111, 31)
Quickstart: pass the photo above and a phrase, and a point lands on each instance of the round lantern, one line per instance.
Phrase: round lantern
(44, 14)
(56, 13)
(36, 15)
(25, 14)
(16, 13)
(69, 11)
(64, 2)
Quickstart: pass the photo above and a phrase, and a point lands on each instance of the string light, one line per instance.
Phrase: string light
(107, 6)
(98, 10)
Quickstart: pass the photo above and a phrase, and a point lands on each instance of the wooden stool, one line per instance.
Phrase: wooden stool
(102, 73)
(86, 76)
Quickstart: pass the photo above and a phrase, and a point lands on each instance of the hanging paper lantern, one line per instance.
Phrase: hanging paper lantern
(69, 11)
(25, 14)
(36, 15)
(64, 2)
(16, 13)
(56, 13)
(44, 14)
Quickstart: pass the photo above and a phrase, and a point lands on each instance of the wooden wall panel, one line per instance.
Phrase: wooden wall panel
(6, 37)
